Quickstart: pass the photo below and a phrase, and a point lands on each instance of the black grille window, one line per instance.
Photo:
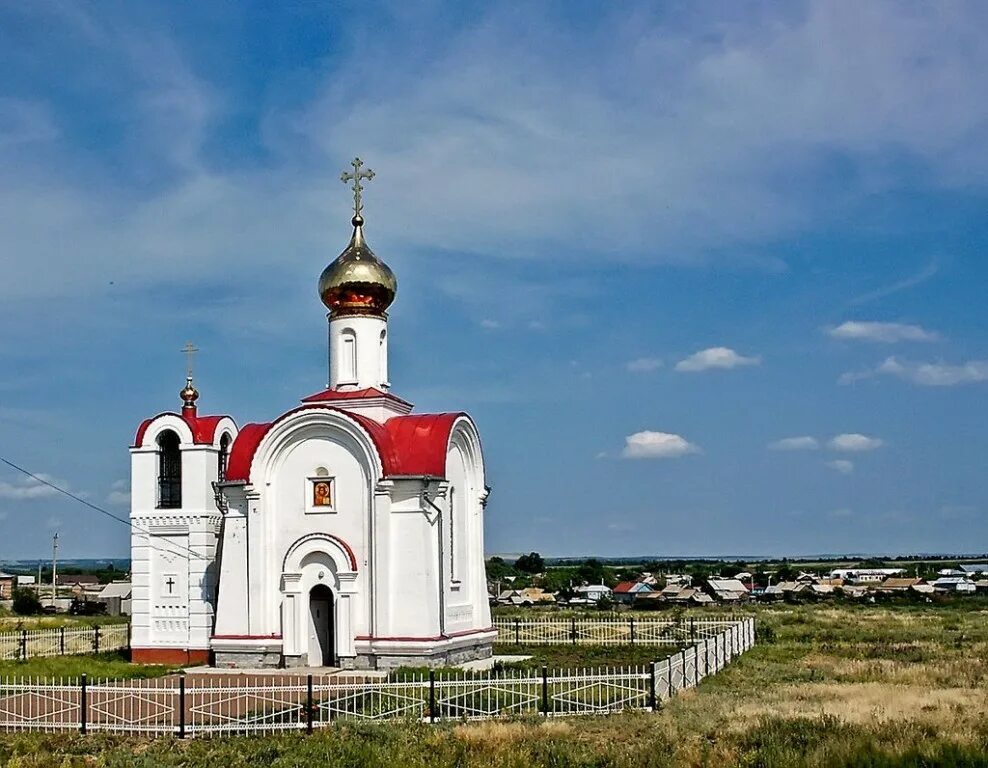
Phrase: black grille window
(224, 456)
(169, 471)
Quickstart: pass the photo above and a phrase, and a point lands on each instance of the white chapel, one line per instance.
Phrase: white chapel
(347, 531)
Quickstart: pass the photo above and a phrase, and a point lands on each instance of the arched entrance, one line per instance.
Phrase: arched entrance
(322, 627)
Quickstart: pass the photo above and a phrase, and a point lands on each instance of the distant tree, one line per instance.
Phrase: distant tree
(26, 602)
(530, 563)
(497, 569)
(592, 571)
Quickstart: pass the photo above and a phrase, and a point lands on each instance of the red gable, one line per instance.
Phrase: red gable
(407, 445)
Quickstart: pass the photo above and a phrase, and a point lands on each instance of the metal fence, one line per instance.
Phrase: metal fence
(63, 641)
(235, 704)
(609, 631)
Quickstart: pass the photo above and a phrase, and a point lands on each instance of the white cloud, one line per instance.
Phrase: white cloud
(855, 443)
(887, 333)
(841, 512)
(803, 443)
(722, 358)
(843, 466)
(489, 324)
(924, 374)
(644, 364)
(28, 488)
(657, 445)
(928, 272)
(119, 493)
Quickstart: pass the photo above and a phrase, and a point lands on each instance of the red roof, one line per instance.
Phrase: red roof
(203, 427)
(328, 395)
(625, 586)
(407, 445)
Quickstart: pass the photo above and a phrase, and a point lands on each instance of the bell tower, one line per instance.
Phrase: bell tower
(357, 289)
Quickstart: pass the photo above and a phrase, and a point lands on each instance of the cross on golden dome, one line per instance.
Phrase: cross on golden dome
(356, 176)
(189, 349)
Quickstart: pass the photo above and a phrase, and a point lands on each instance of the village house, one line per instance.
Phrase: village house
(955, 584)
(728, 590)
(116, 596)
(590, 594)
(628, 592)
(78, 584)
(7, 582)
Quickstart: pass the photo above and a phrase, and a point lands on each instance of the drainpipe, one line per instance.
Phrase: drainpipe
(442, 582)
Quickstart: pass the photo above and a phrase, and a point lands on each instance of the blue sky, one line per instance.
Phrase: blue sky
(710, 279)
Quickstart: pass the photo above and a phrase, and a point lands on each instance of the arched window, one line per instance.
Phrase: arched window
(169, 471)
(382, 352)
(224, 456)
(348, 356)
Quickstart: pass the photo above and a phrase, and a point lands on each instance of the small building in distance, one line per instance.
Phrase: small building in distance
(116, 595)
(590, 594)
(974, 569)
(629, 592)
(953, 584)
(78, 583)
(728, 590)
(7, 583)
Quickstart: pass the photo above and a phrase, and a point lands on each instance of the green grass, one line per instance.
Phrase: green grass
(104, 665)
(829, 685)
(567, 656)
(13, 623)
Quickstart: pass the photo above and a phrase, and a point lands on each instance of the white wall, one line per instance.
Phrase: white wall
(358, 352)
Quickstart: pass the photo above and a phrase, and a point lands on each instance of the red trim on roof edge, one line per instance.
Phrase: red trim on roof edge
(328, 395)
(406, 445)
(203, 427)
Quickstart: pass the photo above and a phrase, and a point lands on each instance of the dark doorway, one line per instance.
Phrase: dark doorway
(322, 632)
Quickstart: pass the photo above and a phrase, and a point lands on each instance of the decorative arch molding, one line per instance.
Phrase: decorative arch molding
(309, 423)
(164, 423)
(465, 437)
(225, 426)
(313, 543)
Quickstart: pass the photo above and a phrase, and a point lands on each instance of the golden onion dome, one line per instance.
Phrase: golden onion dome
(357, 282)
(189, 394)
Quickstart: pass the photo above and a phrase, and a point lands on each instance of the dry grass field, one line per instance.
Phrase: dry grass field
(828, 685)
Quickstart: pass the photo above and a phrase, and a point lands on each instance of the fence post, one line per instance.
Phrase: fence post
(82, 706)
(545, 691)
(181, 707)
(692, 631)
(669, 674)
(432, 694)
(517, 634)
(61, 640)
(631, 621)
(572, 630)
(651, 687)
(23, 644)
(308, 703)
(96, 639)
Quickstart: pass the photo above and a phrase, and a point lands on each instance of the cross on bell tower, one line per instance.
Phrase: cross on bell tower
(189, 394)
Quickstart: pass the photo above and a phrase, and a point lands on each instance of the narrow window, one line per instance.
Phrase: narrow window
(169, 471)
(382, 351)
(452, 536)
(348, 356)
(224, 457)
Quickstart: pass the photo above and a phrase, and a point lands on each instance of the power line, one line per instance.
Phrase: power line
(92, 506)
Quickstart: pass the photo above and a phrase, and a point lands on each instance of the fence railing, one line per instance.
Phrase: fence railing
(63, 641)
(635, 630)
(227, 704)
